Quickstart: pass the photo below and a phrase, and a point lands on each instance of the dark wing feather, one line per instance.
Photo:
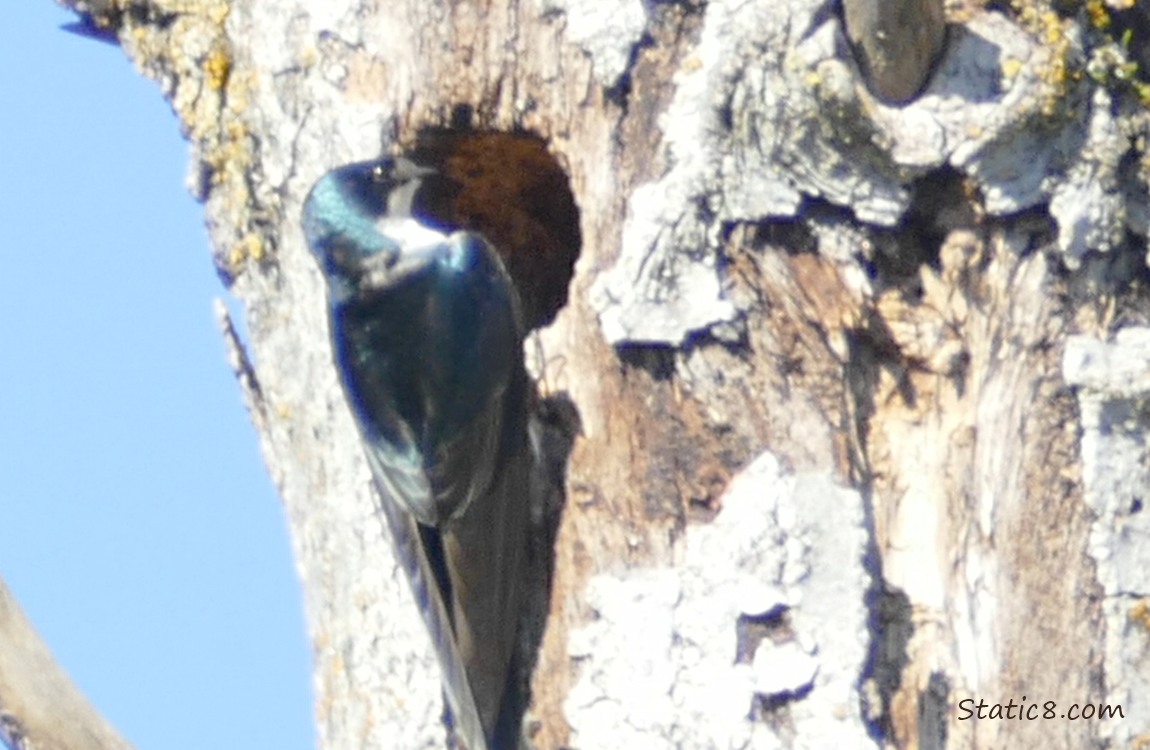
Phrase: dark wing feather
(411, 552)
(433, 368)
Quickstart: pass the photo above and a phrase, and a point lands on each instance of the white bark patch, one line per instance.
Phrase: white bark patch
(1090, 204)
(658, 667)
(767, 112)
(1114, 396)
(781, 670)
(607, 30)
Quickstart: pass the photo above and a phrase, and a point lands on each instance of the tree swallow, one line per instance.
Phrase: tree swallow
(427, 336)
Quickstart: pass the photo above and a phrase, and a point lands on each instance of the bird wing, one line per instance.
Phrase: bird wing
(467, 576)
(435, 367)
(411, 550)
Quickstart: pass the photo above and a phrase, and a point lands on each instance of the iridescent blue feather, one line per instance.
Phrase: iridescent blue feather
(427, 336)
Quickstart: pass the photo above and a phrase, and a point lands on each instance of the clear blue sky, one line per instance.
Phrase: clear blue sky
(138, 526)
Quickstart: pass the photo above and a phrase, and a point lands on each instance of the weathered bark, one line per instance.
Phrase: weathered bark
(40, 707)
(855, 445)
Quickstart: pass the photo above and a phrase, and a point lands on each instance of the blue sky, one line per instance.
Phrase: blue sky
(138, 526)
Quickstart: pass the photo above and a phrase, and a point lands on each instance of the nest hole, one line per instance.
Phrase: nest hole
(513, 191)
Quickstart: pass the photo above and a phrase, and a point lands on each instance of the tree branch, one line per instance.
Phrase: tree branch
(40, 706)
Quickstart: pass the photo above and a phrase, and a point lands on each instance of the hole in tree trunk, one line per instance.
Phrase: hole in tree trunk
(510, 189)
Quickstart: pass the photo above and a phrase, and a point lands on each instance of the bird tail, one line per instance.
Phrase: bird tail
(412, 555)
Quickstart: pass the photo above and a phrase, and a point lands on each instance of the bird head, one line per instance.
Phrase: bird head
(358, 217)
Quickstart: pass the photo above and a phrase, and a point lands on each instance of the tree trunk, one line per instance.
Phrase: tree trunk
(862, 388)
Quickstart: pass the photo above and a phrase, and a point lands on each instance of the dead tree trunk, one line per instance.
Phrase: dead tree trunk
(862, 388)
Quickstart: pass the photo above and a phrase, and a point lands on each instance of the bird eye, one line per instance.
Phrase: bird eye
(379, 173)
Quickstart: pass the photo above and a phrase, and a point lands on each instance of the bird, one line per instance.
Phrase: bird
(427, 335)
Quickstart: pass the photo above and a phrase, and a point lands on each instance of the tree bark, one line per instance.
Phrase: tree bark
(40, 707)
(862, 388)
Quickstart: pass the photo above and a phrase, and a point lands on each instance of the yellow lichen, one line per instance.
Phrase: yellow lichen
(236, 258)
(1140, 613)
(257, 250)
(250, 247)
(217, 69)
(1142, 91)
(1098, 14)
(1011, 67)
(1052, 30)
(210, 93)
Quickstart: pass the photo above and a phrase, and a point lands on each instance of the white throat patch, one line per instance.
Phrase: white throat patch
(409, 234)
